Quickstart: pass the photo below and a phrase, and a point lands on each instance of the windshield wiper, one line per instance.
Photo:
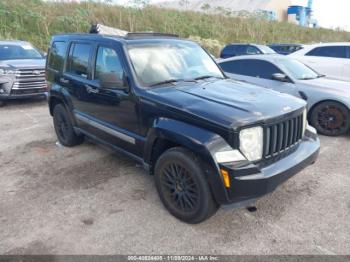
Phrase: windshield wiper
(206, 77)
(169, 81)
(321, 75)
(307, 78)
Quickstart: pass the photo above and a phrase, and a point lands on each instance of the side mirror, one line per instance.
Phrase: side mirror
(280, 77)
(112, 81)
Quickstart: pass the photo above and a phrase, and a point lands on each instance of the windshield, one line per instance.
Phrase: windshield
(298, 70)
(13, 52)
(168, 63)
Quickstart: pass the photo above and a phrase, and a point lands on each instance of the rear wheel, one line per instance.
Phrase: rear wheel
(331, 118)
(182, 187)
(64, 128)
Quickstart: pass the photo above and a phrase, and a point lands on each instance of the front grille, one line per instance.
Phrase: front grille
(282, 136)
(29, 79)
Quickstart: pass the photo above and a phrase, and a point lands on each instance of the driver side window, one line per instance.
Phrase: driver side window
(108, 65)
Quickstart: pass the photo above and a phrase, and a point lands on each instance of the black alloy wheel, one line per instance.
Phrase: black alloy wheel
(331, 118)
(182, 186)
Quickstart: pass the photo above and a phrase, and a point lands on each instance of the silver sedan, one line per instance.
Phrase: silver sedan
(328, 99)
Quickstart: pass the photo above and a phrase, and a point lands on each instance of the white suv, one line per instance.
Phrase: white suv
(330, 59)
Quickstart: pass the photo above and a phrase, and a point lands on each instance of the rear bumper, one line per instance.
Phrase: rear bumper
(251, 181)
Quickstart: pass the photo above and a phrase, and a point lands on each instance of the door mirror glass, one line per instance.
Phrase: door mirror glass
(280, 77)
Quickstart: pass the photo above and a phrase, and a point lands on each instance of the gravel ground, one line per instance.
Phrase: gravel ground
(90, 200)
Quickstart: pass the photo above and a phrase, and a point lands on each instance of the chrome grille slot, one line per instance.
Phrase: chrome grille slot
(281, 136)
(27, 79)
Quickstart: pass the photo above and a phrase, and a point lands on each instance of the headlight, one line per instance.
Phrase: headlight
(251, 143)
(228, 155)
(4, 71)
(304, 121)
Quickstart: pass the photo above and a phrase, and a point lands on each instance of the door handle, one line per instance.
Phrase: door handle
(91, 89)
(64, 81)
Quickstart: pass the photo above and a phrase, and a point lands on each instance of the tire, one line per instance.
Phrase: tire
(2, 103)
(64, 128)
(330, 118)
(182, 187)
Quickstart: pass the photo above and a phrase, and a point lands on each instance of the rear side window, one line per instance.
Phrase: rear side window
(78, 60)
(56, 55)
(329, 51)
(251, 67)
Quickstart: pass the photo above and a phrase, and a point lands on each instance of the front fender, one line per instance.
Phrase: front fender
(201, 142)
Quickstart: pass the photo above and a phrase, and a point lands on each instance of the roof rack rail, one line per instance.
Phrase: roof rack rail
(106, 30)
(149, 34)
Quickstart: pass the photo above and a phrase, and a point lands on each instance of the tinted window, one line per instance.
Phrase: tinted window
(78, 60)
(328, 51)
(56, 55)
(251, 67)
(241, 49)
(233, 50)
(108, 63)
(251, 50)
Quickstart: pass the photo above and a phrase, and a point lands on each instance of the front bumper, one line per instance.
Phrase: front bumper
(252, 181)
(38, 93)
(9, 91)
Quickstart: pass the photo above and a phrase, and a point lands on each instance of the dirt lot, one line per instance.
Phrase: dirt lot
(89, 200)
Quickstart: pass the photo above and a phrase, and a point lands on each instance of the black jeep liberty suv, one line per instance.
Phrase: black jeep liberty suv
(208, 140)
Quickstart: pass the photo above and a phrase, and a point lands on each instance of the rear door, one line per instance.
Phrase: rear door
(77, 74)
(328, 60)
(112, 108)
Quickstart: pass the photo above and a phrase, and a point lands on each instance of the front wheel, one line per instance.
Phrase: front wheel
(330, 118)
(182, 187)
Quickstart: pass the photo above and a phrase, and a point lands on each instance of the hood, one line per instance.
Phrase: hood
(329, 85)
(23, 63)
(227, 102)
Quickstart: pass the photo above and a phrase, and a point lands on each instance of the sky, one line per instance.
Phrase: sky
(329, 13)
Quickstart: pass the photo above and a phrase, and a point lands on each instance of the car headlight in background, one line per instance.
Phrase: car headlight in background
(5, 71)
(251, 142)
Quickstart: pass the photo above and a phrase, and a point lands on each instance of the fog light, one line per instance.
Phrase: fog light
(226, 177)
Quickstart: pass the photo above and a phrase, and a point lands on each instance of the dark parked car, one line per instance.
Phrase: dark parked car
(22, 71)
(232, 50)
(163, 101)
(285, 49)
